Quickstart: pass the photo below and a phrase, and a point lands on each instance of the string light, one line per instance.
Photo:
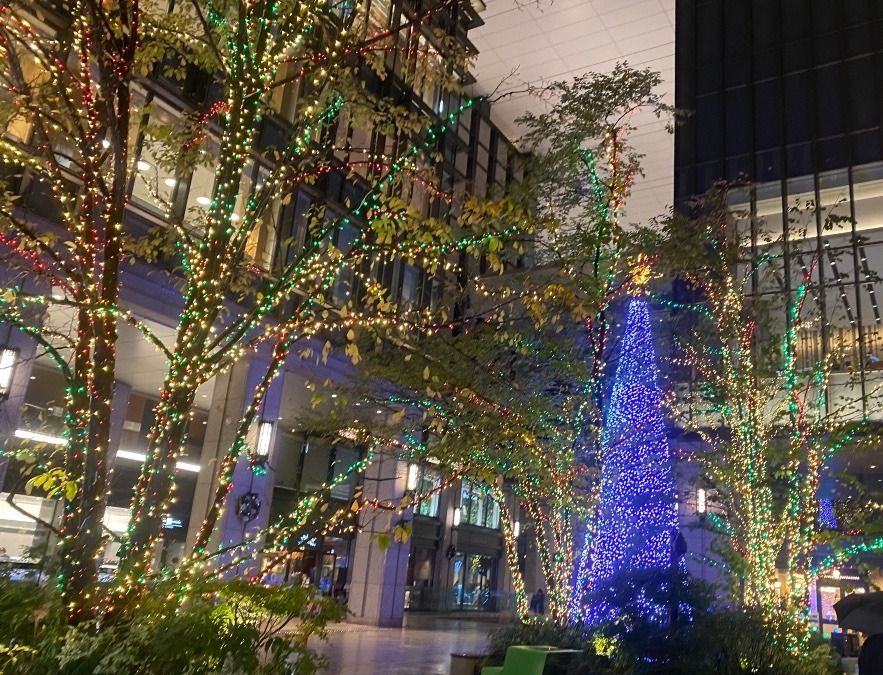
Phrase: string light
(637, 512)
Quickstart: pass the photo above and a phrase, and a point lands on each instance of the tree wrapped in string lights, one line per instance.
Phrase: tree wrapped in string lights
(514, 391)
(761, 405)
(637, 513)
(489, 406)
(90, 130)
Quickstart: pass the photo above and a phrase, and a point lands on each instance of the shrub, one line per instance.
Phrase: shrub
(663, 624)
(734, 642)
(31, 619)
(231, 627)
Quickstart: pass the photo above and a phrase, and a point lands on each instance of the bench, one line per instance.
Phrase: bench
(521, 660)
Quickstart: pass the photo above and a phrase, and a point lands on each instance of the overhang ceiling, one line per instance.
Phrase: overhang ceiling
(548, 40)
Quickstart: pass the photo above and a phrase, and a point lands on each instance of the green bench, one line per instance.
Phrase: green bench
(521, 660)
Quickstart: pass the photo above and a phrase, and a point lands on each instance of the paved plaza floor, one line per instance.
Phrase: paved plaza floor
(422, 647)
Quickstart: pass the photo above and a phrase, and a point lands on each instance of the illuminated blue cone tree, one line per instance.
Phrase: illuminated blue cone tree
(637, 519)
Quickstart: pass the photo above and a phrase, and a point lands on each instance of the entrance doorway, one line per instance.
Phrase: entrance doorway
(475, 582)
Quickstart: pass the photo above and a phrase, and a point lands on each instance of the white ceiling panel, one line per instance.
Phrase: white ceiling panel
(548, 40)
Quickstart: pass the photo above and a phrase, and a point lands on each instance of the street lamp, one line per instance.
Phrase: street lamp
(8, 362)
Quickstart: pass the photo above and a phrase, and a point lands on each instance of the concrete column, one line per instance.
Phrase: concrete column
(121, 394)
(10, 409)
(533, 568)
(444, 574)
(232, 394)
(504, 574)
(378, 578)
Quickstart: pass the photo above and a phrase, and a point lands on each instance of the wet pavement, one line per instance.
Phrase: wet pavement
(422, 647)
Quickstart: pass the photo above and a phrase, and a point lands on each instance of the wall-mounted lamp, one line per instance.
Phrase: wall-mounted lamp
(8, 362)
(265, 433)
(701, 501)
(413, 470)
(457, 517)
(516, 528)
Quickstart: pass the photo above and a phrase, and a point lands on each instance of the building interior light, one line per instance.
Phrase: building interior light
(516, 528)
(265, 433)
(457, 517)
(170, 182)
(140, 457)
(701, 501)
(204, 201)
(412, 477)
(142, 165)
(40, 438)
(8, 360)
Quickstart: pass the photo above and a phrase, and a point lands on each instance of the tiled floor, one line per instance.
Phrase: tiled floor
(422, 647)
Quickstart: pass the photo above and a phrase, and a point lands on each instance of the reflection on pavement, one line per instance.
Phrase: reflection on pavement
(422, 647)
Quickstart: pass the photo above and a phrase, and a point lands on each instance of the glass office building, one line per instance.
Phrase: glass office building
(788, 96)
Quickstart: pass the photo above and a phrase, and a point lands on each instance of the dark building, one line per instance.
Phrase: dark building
(788, 96)
(779, 89)
(447, 564)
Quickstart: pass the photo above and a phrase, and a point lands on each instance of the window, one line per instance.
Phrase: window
(295, 218)
(344, 460)
(345, 237)
(428, 481)
(478, 507)
(412, 286)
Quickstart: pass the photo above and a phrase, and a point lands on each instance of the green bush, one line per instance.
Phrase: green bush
(219, 627)
(537, 633)
(30, 619)
(735, 642)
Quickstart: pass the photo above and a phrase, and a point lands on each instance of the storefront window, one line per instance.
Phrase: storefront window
(475, 582)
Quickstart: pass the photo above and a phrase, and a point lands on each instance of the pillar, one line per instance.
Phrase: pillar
(444, 575)
(378, 578)
(118, 407)
(10, 409)
(233, 392)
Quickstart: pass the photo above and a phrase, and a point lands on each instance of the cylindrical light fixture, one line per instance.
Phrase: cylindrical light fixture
(413, 470)
(516, 528)
(265, 434)
(8, 362)
(457, 517)
(701, 501)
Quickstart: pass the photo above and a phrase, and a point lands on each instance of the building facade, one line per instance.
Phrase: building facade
(455, 559)
(787, 96)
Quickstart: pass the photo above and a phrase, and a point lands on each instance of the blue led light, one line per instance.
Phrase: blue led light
(827, 520)
(637, 515)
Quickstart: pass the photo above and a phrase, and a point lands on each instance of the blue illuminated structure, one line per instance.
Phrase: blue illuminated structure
(637, 515)
(827, 520)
